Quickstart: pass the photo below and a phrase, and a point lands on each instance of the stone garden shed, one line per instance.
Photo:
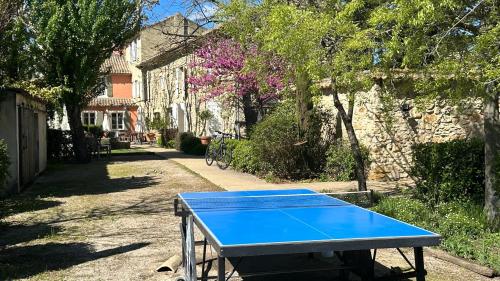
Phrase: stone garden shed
(23, 126)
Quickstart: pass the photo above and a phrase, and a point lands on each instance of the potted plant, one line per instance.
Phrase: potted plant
(157, 128)
(205, 116)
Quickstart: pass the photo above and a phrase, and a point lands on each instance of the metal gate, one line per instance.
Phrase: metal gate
(28, 145)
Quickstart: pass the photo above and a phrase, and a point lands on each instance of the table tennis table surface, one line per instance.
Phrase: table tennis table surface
(298, 218)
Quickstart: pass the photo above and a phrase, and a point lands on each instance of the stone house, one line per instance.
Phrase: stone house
(168, 94)
(23, 127)
(146, 47)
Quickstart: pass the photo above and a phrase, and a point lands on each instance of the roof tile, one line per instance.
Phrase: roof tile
(111, 102)
(116, 64)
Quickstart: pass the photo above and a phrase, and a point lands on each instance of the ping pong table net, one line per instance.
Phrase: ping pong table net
(313, 200)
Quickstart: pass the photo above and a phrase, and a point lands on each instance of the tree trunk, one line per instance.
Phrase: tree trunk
(77, 134)
(492, 158)
(250, 112)
(304, 102)
(353, 140)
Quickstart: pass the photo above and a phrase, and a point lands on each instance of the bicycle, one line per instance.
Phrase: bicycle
(219, 151)
(211, 152)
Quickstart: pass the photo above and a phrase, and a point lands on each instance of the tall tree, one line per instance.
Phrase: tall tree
(75, 37)
(349, 56)
(449, 48)
(319, 39)
(16, 56)
(8, 12)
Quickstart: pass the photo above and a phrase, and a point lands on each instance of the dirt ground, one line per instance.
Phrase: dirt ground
(114, 221)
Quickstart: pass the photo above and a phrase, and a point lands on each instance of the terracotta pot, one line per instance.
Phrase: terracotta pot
(205, 139)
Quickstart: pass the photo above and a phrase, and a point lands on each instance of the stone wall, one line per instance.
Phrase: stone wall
(390, 132)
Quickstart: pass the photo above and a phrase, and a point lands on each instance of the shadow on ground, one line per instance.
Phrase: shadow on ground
(169, 154)
(301, 267)
(26, 261)
(22, 204)
(66, 180)
(15, 234)
(89, 179)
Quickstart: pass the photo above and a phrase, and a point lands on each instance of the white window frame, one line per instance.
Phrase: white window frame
(111, 121)
(89, 112)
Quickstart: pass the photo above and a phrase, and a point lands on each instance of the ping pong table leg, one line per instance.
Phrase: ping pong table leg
(221, 268)
(183, 239)
(419, 263)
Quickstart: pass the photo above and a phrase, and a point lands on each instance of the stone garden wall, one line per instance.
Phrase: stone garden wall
(390, 134)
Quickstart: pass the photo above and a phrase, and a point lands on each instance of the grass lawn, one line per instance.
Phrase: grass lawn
(130, 151)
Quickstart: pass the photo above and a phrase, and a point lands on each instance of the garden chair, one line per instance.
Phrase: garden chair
(105, 146)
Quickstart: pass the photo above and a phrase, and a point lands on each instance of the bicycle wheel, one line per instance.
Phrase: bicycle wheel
(209, 155)
(224, 157)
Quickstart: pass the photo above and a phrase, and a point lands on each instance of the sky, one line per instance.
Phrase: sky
(167, 8)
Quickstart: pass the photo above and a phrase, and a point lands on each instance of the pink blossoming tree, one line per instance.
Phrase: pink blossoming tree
(222, 68)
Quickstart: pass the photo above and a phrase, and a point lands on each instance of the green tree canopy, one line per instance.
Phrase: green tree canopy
(320, 40)
(449, 49)
(74, 38)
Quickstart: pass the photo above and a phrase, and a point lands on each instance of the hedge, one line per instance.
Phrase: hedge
(449, 171)
(59, 145)
(190, 144)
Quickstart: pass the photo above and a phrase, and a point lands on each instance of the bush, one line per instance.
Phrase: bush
(170, 144)
(340, 164)
(244, 158)
(160, 141)
(487, 250)
(189, 144)
(405, 209)
(281, 150)
(4, 163)
(181, 140)
(199, 149)
(274, 139)
(59, 145)
(167, 138)
(449, 171)
(462, 224)
(96, 131)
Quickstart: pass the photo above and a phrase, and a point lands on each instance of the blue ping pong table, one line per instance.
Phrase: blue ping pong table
(273, 222)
